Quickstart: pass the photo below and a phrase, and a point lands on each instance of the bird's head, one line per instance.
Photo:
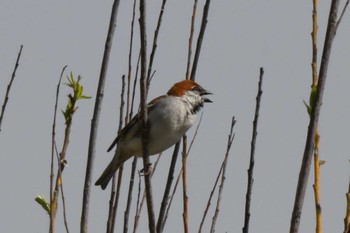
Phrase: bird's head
(191, 92)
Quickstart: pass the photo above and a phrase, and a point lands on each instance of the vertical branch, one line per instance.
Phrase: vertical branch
(184, 184)
(189, 53)
(347, 215)
(9, 86)
(315, 111)
(200, 39)
(179, 175)
(95, 119)
(316, 185)
(170, 179)
(129, 63)
(139, 207)
(252, 156)
(314, 44)
(155, 39)
(143, 114)
(53, 145)
(228, 148)
(128, 203)
(231, 136)
(342, 14)
(115, 191)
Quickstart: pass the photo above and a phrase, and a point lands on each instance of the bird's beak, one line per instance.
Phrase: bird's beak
(205, 92)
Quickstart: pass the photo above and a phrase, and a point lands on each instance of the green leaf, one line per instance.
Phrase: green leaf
(44, 203)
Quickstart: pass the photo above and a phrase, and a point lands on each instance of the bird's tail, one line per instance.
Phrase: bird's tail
(108, 173)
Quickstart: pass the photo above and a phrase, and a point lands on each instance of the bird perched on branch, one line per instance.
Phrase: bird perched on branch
(169, 118)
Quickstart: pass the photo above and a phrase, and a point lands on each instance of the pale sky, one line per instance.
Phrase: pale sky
(241, 37)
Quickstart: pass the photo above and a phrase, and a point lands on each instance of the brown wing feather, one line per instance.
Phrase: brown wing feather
(133, 122)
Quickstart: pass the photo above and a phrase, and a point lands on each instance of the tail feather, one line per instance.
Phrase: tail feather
(108, 173)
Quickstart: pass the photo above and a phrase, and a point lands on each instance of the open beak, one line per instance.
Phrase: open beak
(205, 92)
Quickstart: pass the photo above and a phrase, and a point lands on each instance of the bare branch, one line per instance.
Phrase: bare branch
(309, 145)
(53, 146)
(96, 117)
(200, 39)
(189, 53)
(144, 119)
(252, 156)
(184, 184)
(155, 39)
(342, 14)
(9, 86)
(164, 204)
(231, 136)
(115, 189)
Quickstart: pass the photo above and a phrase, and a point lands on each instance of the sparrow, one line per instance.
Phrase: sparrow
(169, 118)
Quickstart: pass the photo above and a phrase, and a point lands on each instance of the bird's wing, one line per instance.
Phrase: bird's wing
(134, 121)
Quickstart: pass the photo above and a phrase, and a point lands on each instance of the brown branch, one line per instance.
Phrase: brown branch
(309, 145)
(316, 185)
(155, 39)
(64, 208)
(53, 146)
(179, 175)
(128, 203)
(184, 184)
(314, 44)
(342, 14)
(9, 86)
(95, 119)
(223, 172)
(252, 155)
(139, 208)
(144, 119)
(189, 53)
(200, 39)
(115, 189)
(347, 214)
(137, 215)
(164, 203)
(129, 62)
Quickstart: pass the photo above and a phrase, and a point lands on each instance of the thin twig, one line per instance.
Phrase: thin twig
(115, 189)
(129, 62)
(231, 136)
(179, 175)
(96, 117)
(314, 44)
(139, 208)
(137, 215)
(134, 87)
(309, 145)
(342, 14)
(189, 53)
(184, 184)
(64, 208)
(209, 200)
(144, 119)
(155, 39)
(252, 156)
(128, 203)
(9, 86)
(169, 182)
(316, 185)
(347, 214)
(53, 146)
(200, 39)
(228, 148)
